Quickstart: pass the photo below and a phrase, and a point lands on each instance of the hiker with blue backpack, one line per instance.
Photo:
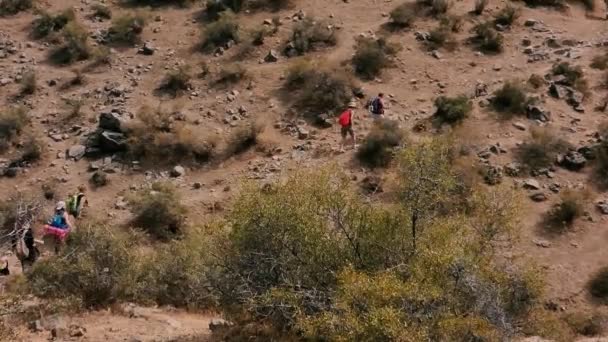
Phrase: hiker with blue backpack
(376, 106)
(59, 226)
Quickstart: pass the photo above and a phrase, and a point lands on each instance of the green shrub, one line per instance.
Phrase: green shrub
(10, 7)
(159, 212)
(309, 34)
(220, 32)
(155, 140)
(480, 6)
(74, 45)
(371, 56)
(177, 81)
(101, 11)
(598, 285)
(541, 149)
(95, 267)
(511, 99)
(28, 82)
(47, 23)
(403, 15)
(600, 62)
(126, 29)
(452, 110)
(570, 207)
(487, 39)
(377, 148)
(316, 90)
(507, 16)
(12, 122)
(242, 139)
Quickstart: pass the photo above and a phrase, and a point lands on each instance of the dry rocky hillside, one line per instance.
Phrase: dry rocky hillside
(116, 95)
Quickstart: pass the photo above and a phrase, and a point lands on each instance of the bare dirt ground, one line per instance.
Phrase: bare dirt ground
(412, 85)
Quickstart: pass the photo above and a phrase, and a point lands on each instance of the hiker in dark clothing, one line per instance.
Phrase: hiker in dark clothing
(376, 107)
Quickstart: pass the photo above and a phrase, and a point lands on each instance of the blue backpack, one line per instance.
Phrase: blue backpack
(58, 220)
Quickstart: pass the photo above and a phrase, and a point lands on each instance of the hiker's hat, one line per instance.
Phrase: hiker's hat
(60, 205)
(352, 104)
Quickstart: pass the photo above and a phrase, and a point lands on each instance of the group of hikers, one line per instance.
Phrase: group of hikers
(375, 107)
(60, 225)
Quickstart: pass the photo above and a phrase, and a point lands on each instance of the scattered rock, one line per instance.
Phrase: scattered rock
(271, 57)
(520, 126)
(218, 323)
(572, 161)
(538, 197)
(602, 206)
(110, 121)
(112, 142)
(531, 184)
(178, 171)
(493, 175)
(541, 243)
(76, 152)
(148, 49)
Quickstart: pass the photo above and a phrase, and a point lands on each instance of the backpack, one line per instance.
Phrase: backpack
(58, 220)
(374, 105)
(345, 118)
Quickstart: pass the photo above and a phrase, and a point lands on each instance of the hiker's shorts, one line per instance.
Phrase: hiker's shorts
(346, 130)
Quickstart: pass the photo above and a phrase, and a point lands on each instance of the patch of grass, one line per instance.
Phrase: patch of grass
(12, 122)
(101, 11)
(11, 7)
(232, 74)
(441, 37)
(47, 23)
(242, 139)
(598, 285)
(154, 139)
(487, 39)
(403, 15)
(316, 90)
(32, 151)
(159, 212)
(126, 29)
(480, 6)
(452, 110)
(511, 99)
(541, 149)
(73, 108)
(507, 16)
(28, 82)
(372, 56)
(74, 47)
(177, 81)
(99, 57)
(219, 33)
(377, 148)
(600, 62)
(310, 34)
(563, 214)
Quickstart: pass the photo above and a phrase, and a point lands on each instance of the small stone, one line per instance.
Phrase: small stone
(520, 126)
(178, 171)
(531, 184)
(542, 243)
(538, 197)
(271, 57)
(76, 152)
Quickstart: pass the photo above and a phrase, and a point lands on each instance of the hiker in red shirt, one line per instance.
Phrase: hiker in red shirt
(346, 125)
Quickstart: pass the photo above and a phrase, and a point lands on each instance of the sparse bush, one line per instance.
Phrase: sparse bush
(570, 207)
(377, 148)
(215, 8)
(586, 324)
(12, 122)
(541, 149)
(536, 81)
(511, 99)
(126, 29)
(403, 15)
(309, 34)
(100, 56)
(99, 179)
(574, 76)
(506, 16)
(316, 90)
(559, 4)
(77, 80)
(242, 139)
(75, 46)
(177, 81)
(49, 189)
(452, 110)
(28, 82)
(600, 167)
(598, 285)
(101, 11)
(154, 138)
(220, 32)
(441, 37)
(439, 7)
(73, 108)
(47, 23)
(159, 212)
(10, 7)
(600, 62)
(480, 6)
(31, 152)
(371, 56)
(232, 73)
(487, 39)
(181, 3)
